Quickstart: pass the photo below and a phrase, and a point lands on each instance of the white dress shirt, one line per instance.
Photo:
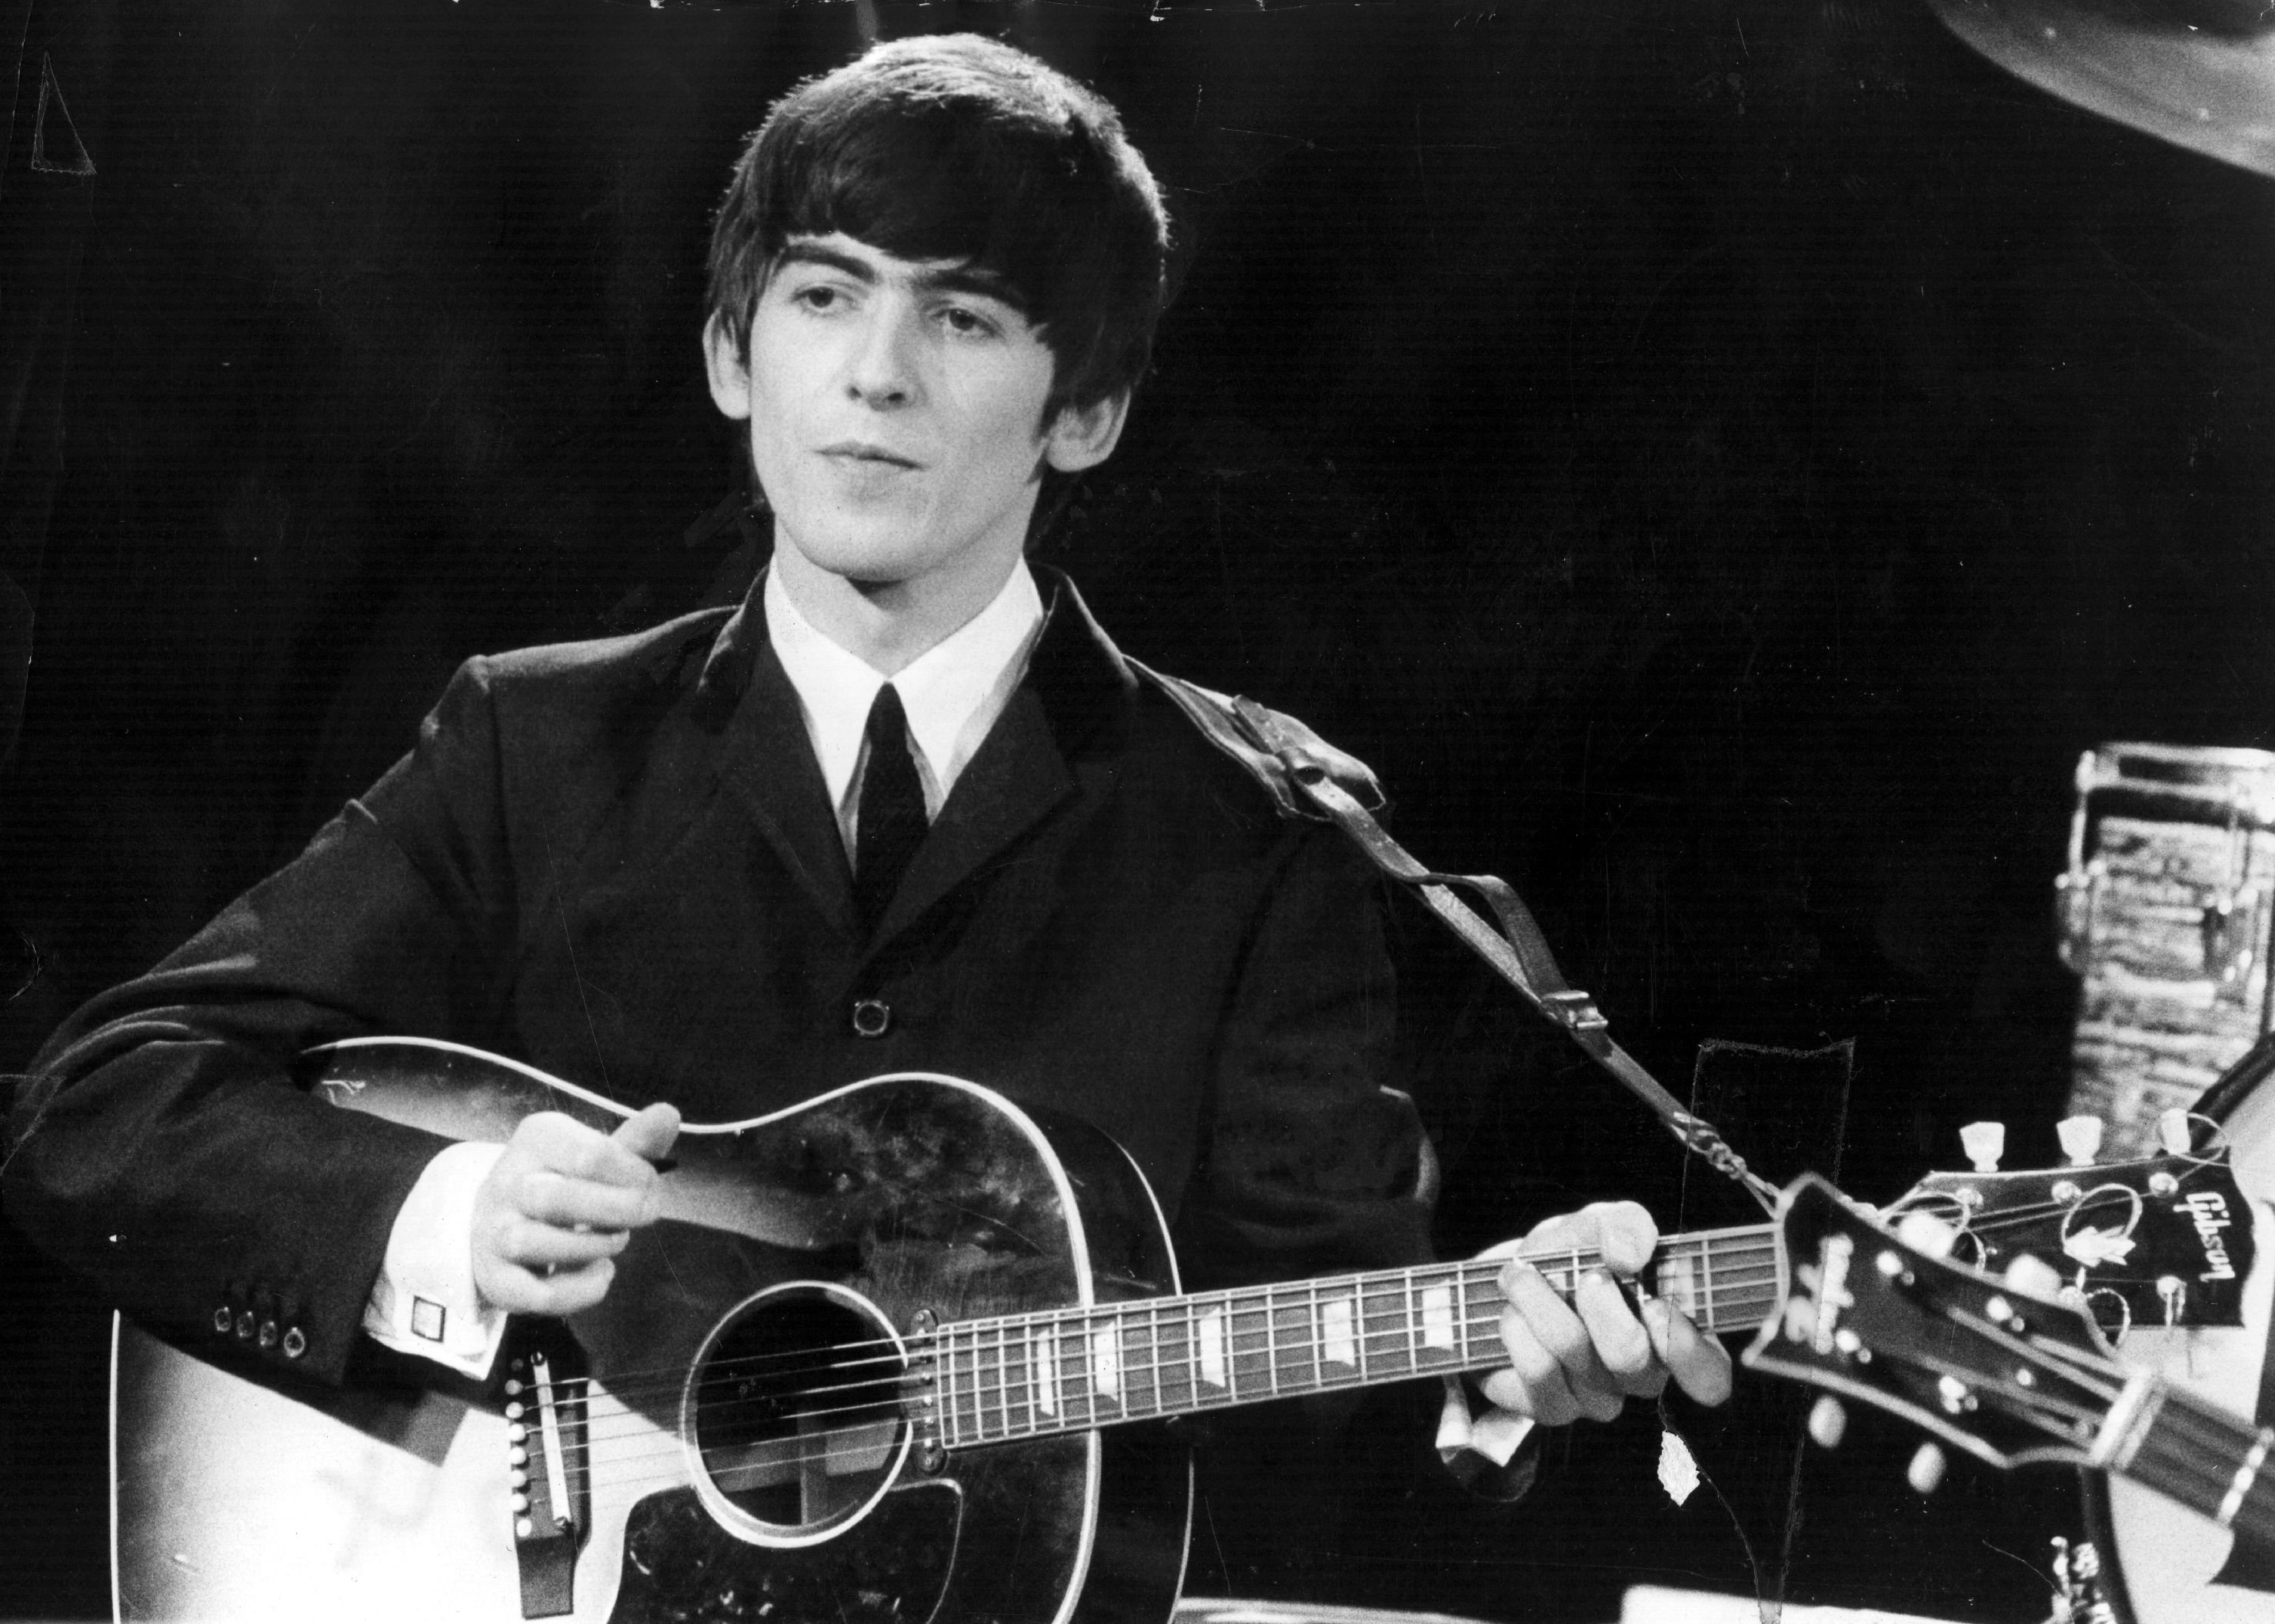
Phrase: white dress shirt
(425, 1301)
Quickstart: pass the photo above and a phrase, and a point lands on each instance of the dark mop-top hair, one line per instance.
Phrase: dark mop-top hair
(959, 147)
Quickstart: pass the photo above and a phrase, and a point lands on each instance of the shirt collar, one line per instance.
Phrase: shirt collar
(966, 677)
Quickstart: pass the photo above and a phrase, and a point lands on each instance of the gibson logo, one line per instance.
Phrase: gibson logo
(2207, 1210)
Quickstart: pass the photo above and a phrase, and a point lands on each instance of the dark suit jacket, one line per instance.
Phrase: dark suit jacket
(616, 860)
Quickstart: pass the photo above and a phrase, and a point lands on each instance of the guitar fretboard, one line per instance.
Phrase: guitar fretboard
(1024, 1376)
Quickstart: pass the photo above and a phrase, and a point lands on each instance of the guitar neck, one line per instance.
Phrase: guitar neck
(1028, 1375)
(2209, 1460)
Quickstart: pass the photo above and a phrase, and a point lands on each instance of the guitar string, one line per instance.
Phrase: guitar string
(1380, 1295)
(1741, 1247)
(971, 1340)
(1268, 1308)
(994, 1417)
(1145, 1392)
(985, 1395)
(1134, 1319)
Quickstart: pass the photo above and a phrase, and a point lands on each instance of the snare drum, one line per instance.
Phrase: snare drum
(2164, 915)
(2159, 1559)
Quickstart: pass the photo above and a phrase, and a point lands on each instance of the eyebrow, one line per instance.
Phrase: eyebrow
(958, 278)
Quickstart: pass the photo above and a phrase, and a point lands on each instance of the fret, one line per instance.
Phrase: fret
(943, 1387)
(1437, 1328)
(951, 1394)
(1211, 1330)
(1335, 1332)
(1003, 1376)
(1413, 1330)
(1137, 1395)
(1676, 1278)
(1106, 1361)
(1388, 1343)
(1177, 1365)
(1291, 1317)
(1154, 1358)
(1045, 1357)
(1318, 1338)
(1074, 1369)
(1271, 1346)
(1248, 1338)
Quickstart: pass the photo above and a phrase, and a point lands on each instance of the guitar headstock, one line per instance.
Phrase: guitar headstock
(2009, 1377)
(2158, 1239)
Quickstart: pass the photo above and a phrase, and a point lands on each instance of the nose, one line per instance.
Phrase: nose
(883, 370)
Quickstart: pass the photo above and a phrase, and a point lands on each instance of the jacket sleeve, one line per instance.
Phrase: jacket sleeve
(162, 1146)
(1310, 1164)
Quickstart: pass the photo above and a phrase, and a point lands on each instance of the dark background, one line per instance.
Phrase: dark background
(1720, 463)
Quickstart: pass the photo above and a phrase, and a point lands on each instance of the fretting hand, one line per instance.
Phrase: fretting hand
(1589, 1357)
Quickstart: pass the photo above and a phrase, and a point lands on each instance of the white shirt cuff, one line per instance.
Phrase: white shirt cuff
(424, 1302)
(1495, 1435)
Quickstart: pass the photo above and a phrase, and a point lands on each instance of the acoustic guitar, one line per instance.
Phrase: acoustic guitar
(878, 1360)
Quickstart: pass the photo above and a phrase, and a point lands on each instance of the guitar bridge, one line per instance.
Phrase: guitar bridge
(545, 1424)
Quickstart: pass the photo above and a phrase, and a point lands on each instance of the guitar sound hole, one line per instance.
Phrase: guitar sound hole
(797, 1412)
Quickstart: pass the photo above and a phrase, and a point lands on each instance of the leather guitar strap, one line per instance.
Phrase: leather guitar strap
(1311, 778)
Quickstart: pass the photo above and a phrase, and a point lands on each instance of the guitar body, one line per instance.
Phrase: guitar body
(738, 1434)
(2168, 1556)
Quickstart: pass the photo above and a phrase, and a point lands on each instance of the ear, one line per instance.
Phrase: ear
(1082, 437)
(726, 362)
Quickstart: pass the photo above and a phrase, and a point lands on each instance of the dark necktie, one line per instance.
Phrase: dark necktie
(890, 824)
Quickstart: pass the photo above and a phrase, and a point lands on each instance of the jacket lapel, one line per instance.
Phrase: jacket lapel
(768, 760)
(1076, 679)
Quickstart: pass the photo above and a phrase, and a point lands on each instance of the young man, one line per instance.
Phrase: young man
(905, 808)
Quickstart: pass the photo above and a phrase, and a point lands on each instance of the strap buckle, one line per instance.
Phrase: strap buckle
(1575, 1011)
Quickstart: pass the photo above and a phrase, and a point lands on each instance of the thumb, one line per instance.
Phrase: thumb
(649, 1134)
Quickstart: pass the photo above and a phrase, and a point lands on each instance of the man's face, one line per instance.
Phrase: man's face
(896, 414)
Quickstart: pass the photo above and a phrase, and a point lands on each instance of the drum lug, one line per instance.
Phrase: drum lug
(2231, 940)
(2076, 895)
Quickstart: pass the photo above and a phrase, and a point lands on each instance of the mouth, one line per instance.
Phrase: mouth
(863, 453)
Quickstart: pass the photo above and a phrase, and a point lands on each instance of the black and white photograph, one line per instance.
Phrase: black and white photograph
(1137, 812)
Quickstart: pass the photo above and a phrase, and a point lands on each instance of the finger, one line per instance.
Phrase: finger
(1626, 1236)
(566, 1202)
(1534, 1384)
(521, 1291)
(541, 1246)
(1552, 1323)
(648, 1135)
(563, 1144)
(1623, 1347)
(1699, 1363)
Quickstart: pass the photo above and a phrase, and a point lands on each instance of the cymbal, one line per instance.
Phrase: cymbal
(2198, 73)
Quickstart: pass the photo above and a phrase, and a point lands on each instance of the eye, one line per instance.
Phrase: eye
(966, 323)
(817, 297)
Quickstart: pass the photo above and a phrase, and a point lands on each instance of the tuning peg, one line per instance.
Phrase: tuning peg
(1985, 1142)
(1828, 1421)
(1925, 1472)
(2172, 1132)
(2033, 1277)
(2081, 1139)
(1924, 1232)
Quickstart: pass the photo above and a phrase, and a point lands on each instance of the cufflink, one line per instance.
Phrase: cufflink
(426, 1318)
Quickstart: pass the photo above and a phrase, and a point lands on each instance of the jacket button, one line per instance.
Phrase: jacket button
(268, 1338)
(244, 1326)
(222, 1320)
(296, 1342)
(871, 1017)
